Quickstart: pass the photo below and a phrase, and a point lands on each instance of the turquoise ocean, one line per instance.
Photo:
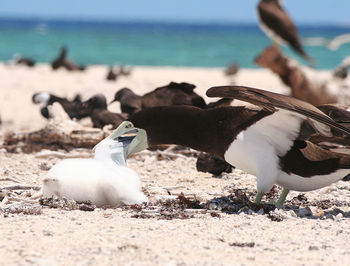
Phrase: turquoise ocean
(157, 43)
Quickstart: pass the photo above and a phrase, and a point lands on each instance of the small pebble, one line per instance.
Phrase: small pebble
(303, 212)
(44, 166)
(313, 248)
(317, 212)
(330, 216)
(339, 216)
(260, 212)
(292, 214)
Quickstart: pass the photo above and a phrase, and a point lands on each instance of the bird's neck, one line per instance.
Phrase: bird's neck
(54, 98)
(110, 152)
(211, 130)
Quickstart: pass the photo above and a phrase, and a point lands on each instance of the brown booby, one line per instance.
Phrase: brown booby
(99, 114)
(277, 24)
(267, 140)
(129, 101)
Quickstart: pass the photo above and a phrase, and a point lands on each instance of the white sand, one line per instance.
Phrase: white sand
(112, 236)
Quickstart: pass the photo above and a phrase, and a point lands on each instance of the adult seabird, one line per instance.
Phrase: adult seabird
(267, 140)
(277, 24)
(173, 94)
(63, 61)
(100, 115)
(111, 74)
(130, 102)
(103, 180)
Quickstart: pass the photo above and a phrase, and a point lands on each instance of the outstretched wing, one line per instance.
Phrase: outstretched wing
(272, 101)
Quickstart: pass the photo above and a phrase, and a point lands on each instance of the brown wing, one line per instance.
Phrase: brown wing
(307, 159)
(271, 101)
(336, 112)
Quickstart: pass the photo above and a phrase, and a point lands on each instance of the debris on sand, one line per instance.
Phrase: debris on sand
(21, 208)
(242, 245)
(236, 203)
(179, 208)
(60, 132)
(66, 204)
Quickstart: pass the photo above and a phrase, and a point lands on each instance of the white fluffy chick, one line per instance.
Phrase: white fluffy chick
(103, 180)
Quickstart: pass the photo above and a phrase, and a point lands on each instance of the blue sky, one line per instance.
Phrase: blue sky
(302, 11)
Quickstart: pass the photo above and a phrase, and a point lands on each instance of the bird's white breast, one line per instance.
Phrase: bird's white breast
(256, 150)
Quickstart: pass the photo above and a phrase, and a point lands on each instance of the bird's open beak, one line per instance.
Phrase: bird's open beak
(133, 139)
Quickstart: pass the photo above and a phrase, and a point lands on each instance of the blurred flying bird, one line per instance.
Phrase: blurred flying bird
(277, 24)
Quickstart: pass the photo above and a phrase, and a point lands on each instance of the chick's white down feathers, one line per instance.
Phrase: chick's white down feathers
(103, 180)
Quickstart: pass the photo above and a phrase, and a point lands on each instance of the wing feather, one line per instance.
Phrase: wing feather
(271, 101)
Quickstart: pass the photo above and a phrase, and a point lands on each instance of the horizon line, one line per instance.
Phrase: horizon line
(155, 20)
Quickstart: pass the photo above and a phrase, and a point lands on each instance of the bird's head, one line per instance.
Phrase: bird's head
(96, 101)
(121, 93)
(41, 98)
(134, 139)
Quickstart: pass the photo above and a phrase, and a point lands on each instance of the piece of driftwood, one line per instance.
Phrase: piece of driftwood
(19, 187)
(22, 208)
(59, 133)
(314, 92)
(9, 179)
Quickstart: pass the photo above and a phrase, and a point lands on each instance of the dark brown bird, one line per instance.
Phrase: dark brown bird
(129, 101)
(277, 24)
(62, 61)
(232, 69)
(112, 75)
(173, 94)
(99, 114)
(25, 61)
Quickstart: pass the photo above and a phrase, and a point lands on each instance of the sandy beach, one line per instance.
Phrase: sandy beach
(316, 235)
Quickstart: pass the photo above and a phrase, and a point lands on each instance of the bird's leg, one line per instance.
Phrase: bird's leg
(282, 198)
(258, 197)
